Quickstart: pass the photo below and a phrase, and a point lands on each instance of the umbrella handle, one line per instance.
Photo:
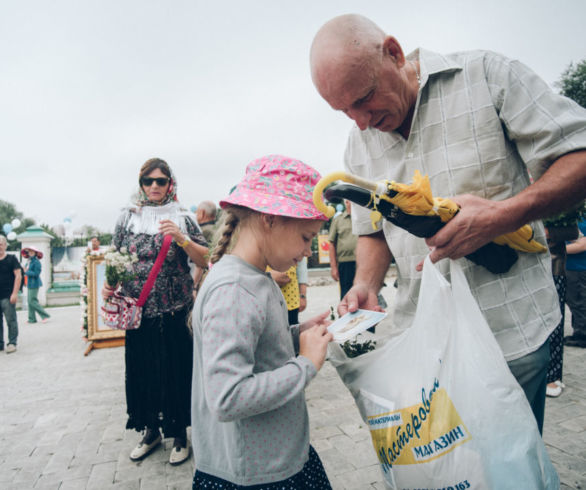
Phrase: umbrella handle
(377, 187)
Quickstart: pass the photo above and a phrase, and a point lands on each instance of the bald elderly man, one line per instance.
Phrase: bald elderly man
(479, 125)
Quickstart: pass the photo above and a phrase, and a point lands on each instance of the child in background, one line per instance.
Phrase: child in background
(249, 417)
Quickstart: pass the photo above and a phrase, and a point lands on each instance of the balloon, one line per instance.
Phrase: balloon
(15, 223)
(193, 208)
(11, 235)
(7, 228)
(67, 220)
(339, 207)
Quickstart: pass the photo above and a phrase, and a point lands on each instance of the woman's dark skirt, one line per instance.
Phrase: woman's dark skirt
(159, 363)
(556, 338)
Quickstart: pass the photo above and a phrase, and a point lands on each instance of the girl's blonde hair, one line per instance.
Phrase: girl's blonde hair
(232, 217)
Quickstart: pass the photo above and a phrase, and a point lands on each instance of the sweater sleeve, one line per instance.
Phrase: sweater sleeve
(232, 323)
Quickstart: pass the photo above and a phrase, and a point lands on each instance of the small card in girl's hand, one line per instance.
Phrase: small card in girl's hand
(351, 324)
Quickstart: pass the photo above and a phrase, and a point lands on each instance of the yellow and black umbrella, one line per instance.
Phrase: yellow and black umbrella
(413, 208)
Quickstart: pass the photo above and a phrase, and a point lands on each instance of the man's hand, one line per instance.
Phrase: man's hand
(359, 296)
(13, 298)
(477, 223)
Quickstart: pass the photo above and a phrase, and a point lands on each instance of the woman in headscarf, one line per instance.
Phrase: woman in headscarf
(159, 354)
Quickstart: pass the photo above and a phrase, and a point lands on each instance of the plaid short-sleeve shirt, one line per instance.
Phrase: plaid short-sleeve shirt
(482, 125)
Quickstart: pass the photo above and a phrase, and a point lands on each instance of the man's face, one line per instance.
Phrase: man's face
(3, 246)
(95, 244)
(375, 95)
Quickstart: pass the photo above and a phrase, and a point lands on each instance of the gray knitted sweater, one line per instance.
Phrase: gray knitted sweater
(249, 417)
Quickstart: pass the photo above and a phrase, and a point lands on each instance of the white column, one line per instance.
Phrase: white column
(36, 237)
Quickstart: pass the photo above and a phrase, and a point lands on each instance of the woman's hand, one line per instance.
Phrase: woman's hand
(107, 291)
(168, 227)
(313, 344)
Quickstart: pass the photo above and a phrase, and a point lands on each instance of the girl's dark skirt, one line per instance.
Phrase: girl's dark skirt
(159, 363)
(311, 477)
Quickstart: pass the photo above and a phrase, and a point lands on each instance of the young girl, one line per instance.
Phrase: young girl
(249, 418)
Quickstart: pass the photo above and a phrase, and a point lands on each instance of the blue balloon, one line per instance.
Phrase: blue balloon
(66, 220)
(340, 207)
(7, 228)
(193, 208)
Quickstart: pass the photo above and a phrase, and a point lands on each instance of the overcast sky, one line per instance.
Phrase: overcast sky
(89, 90)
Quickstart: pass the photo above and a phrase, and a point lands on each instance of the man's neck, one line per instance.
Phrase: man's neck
(3, 255)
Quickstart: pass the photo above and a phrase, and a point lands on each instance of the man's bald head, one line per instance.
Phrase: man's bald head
(343, 45)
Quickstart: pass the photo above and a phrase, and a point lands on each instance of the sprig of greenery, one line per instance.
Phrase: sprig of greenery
(353, 348)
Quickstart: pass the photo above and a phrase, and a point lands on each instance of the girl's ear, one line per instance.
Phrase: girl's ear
(267, 220)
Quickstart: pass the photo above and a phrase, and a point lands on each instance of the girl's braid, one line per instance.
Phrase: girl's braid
(230, 223)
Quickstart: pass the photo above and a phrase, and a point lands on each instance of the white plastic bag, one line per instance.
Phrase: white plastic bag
(442, 406)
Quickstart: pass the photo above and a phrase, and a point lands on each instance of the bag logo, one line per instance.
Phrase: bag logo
(419, 433)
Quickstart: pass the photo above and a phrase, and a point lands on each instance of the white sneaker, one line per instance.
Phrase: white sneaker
(142, 450)
(10, 348)
(179, 455)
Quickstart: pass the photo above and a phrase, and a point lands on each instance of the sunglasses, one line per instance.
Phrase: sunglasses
(161, 181)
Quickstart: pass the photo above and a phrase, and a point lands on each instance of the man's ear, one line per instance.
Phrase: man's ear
(392, 49)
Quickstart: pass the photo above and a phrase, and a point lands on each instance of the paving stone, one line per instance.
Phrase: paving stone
(64, 423)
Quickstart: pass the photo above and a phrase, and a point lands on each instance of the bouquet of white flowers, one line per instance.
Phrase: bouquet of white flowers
(119, 266)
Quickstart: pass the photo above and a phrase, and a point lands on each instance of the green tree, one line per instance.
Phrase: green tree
(572, 83)
(8, 213)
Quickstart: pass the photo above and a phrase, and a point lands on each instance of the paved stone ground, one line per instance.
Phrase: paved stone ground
(63, 416)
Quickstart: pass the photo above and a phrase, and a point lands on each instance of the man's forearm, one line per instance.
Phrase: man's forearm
(17, 281)
(560, 188)
(373, 258)
(332, 252)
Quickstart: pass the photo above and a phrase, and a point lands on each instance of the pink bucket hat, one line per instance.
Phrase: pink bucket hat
(25, 254)
(278, 185)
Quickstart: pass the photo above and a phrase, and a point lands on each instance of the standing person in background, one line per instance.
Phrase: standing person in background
(293, 284)
(94, 246)
(205, 213)
(33, 283)
(576, 288)
(556, 241)
(342, 249)
(479, 124)
(10, 281)
(158, 355)
(206, 219)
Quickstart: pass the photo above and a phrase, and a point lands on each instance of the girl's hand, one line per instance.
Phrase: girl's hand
(313, 344)
(168, 227)
(316, 320)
